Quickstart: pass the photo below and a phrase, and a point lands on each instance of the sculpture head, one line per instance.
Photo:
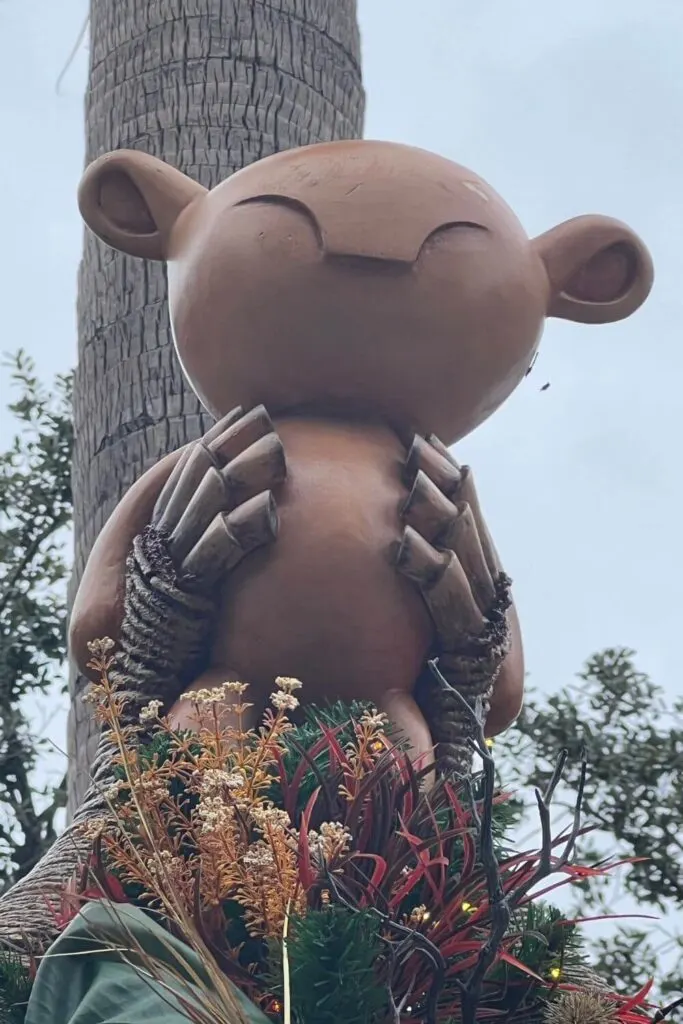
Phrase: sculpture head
(360, 278)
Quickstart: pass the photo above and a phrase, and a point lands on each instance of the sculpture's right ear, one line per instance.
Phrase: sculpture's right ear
(132, 200)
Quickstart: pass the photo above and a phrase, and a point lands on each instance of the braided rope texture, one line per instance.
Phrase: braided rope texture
(472, 672)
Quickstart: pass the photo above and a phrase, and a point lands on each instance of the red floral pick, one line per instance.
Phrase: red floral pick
(82, 889)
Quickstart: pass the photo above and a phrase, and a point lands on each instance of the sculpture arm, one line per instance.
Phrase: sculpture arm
(99, 604)
(447, 551)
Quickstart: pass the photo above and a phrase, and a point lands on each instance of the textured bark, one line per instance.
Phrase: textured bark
(210, 86)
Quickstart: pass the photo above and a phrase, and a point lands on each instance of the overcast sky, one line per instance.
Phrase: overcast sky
(566, 108)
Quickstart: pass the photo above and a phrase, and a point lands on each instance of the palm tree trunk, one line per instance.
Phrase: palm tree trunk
(209, 86)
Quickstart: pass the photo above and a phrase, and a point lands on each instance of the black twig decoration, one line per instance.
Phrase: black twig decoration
(503, 905)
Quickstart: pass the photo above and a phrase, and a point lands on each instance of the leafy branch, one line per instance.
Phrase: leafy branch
(632, 737)
(35, 512)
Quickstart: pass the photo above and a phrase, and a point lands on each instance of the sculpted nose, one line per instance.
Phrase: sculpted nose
(389, 239)
(396, 239)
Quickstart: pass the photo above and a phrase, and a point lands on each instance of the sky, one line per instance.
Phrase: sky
(565, 108)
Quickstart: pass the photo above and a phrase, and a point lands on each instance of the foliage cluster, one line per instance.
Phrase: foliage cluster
(321, 873)
(35, 510)
(632, 738)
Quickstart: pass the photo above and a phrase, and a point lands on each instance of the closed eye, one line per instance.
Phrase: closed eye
(292, 204)
(457, 224)
(468, 225)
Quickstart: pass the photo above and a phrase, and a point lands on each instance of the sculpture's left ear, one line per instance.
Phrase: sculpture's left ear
(599, 270)
(131, 200)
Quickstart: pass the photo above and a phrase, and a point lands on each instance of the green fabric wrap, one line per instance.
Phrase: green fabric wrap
(82, 980)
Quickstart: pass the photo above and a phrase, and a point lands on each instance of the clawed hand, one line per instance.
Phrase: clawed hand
(447, 551)
(446, 548)
(218, 504)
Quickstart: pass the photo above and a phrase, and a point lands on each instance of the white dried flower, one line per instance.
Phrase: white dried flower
(111, 792)
(233, 686)
(150, 711)
(334, 840)
(271, 818)
(288, 684)
(284, 701)
(235, 779)
(204, 696)
(101, 647)
(95, 694)
(373, 719)
(152, 788)
(335, 831)
(258, 856)
(166, 865)
(214, 780)
(214, 814)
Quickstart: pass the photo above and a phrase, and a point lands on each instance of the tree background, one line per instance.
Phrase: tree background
(632, 739)
(35, 514)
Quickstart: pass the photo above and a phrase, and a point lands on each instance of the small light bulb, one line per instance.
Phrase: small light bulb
(469, 908)
(489, 743)
(419, 914)
(555, 973)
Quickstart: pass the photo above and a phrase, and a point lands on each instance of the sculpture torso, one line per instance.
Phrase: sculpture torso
(325, 604)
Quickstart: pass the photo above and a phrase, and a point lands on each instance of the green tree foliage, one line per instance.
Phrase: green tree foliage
(633, 740)
(35, 510)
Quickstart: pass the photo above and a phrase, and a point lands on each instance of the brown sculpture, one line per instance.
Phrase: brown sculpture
(379, 302)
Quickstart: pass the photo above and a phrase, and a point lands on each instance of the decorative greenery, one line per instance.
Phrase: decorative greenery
(372, 900)
(632, 737)
(332, 957)
(35, 507)
(15, 988)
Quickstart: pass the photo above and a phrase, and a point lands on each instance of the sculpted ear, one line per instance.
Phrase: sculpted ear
(599, 270)
(132, 200)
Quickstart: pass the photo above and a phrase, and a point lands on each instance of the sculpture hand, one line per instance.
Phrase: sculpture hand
(218, 504)
(447, 551)
(216, 507)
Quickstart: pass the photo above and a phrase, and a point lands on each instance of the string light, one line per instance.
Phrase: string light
(489, 744)
(419, 914)
(555, 973)
(469, 908)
